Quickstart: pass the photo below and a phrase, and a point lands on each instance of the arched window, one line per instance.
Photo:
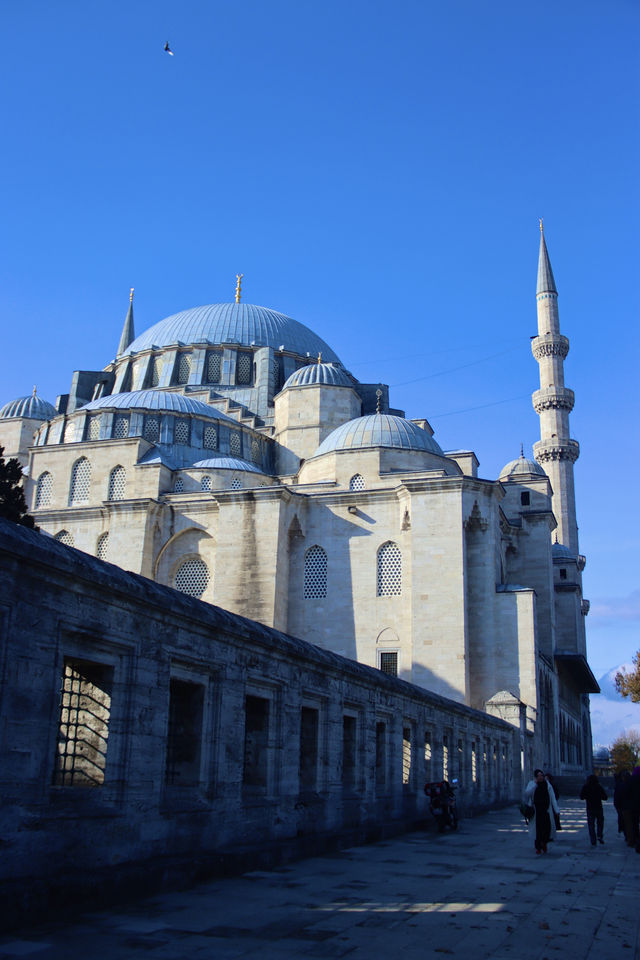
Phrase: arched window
(389, 570)
(210, 438)
(151, 429)
(93, 428)
(43, 490)
(192, 577)
(205, 483)
(153, 372)
(235, 444)
(64, 537)
(244, 368)
(178, 485)
(356, 482)
(120, 427)
(117, 483)
(102, 546)
(184, 368)
(181, 431)
(80, 482)
(315, 573)
(214, 366)
(255, 451)
(236, 483)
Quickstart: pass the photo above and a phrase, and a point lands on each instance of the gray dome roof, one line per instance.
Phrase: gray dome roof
(242, 323)
(156, 400)
(32, 408)
(227, 463)
(560, 552)
(379, 430)
(314, 373)
(521, 467)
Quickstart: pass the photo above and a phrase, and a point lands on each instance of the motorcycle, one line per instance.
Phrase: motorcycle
(442, 803)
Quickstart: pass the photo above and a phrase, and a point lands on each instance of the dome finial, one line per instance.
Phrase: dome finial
(131, 295)
(522, 451)
(34, 389)
(541, 222)
(320, 356)
(379, 397)
(239, 277)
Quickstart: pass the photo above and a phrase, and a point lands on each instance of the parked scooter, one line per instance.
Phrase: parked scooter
(442, 803)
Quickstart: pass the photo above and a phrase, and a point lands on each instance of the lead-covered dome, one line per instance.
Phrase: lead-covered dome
(156, 400)
(319, 373)
(242, 323)
(31, 408)
(522, 467)
(379, 430)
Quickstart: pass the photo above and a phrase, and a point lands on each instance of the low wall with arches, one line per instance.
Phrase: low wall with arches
(148, 739)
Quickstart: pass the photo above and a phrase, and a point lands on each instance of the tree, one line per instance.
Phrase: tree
(625, 751)
(13, 505)
(628, 684)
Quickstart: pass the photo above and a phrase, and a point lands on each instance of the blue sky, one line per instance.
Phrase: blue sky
(376, 170)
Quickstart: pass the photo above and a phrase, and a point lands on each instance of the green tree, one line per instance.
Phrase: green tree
(625, 751)
(13, 506)
(628, 684)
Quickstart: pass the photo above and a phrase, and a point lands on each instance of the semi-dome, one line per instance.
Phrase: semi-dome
(156, 400)
(227, 463)
(314, 373)
(560, 552)
(379, 430)
(521, 467)
(32, 408)
(242, 323)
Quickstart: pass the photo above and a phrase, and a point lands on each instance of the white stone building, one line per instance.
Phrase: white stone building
(228, 452)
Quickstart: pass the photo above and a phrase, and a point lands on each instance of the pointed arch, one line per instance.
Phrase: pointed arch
(80, 482)
(389, 570)
(43, 490)
(117, 483)
(315, 573)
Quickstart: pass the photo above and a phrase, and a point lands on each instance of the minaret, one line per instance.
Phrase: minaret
(128, 333)
(553, 402)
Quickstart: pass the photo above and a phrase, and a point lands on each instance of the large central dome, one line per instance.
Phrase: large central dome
(242, 323)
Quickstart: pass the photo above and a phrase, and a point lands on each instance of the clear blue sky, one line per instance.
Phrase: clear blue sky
(376, 170)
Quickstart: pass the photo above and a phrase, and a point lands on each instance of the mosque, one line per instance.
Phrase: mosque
(227, 452)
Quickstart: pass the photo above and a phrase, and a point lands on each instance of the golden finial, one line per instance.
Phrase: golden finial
(34, 389)
(239, 277)
(320, 357)
(131, 295)
(522, 450)
(541, 224)
(379, 396)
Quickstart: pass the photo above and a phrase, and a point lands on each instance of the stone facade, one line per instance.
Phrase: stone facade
(147, 738)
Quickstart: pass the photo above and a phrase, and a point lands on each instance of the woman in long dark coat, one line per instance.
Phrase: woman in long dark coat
(539, 794)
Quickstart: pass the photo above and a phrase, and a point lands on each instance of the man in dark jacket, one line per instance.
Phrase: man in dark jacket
(593, 793)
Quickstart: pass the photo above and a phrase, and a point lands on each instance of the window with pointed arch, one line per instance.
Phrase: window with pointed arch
(117, 483)
(356, 482)
(315, 573)
(80, 482)
(102, 546)
(43, 490)
(389, 570)
(63, 536)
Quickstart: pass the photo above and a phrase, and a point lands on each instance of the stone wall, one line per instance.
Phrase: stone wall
(149, 739)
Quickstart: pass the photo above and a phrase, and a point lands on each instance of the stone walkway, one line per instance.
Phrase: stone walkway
(479, 893)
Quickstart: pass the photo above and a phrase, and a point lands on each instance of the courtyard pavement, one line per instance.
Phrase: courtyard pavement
(481, 893)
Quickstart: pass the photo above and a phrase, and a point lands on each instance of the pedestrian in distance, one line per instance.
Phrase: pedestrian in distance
(540, 795)
(635, 809)
(622, 803)
(593, 794)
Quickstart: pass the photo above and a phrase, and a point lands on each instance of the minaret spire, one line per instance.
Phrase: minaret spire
(553, 402)
(128, 332)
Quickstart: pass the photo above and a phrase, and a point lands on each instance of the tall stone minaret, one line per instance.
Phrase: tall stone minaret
(553, 402)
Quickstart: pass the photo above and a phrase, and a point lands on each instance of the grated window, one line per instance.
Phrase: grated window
(236, 483)
(214, 366)
(210, 438)
(356, 482)
(120, 427)
(315, 573)
(64, 537)
(235, 444)
(153, 373)
(178, 486)
(192, 577)
(151, 429)
(255, 451)
(184, 368)
(205, 483)
(181, 431)
(117, 483)
(389, 663)
(80, 482)
(102, 546)
(93, 428)
(389, 570)
(244, 368)
(83, 729)
(43, 490)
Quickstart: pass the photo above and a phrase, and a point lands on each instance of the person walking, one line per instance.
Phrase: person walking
(539, 794)
(622, 803)
(634, 798)
(593, 794)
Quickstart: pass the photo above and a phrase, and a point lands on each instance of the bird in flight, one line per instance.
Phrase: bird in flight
(168, 49)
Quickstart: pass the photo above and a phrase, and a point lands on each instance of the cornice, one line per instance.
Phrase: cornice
(553, 398)
(553, 449)
(550, 345)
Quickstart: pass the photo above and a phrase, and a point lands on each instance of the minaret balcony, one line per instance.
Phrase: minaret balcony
(556, 449)
(550, 345)
(585, 606)
(553, 398)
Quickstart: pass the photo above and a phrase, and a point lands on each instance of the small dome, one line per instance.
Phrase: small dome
(520, 468)
(227, 463)
(156, 400)
(379, 430)
(242, 323)
(32, 408)
(314, 373)
(560, 552)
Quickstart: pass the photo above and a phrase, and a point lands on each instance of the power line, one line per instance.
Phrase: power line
(463, 366)
(480, 406)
